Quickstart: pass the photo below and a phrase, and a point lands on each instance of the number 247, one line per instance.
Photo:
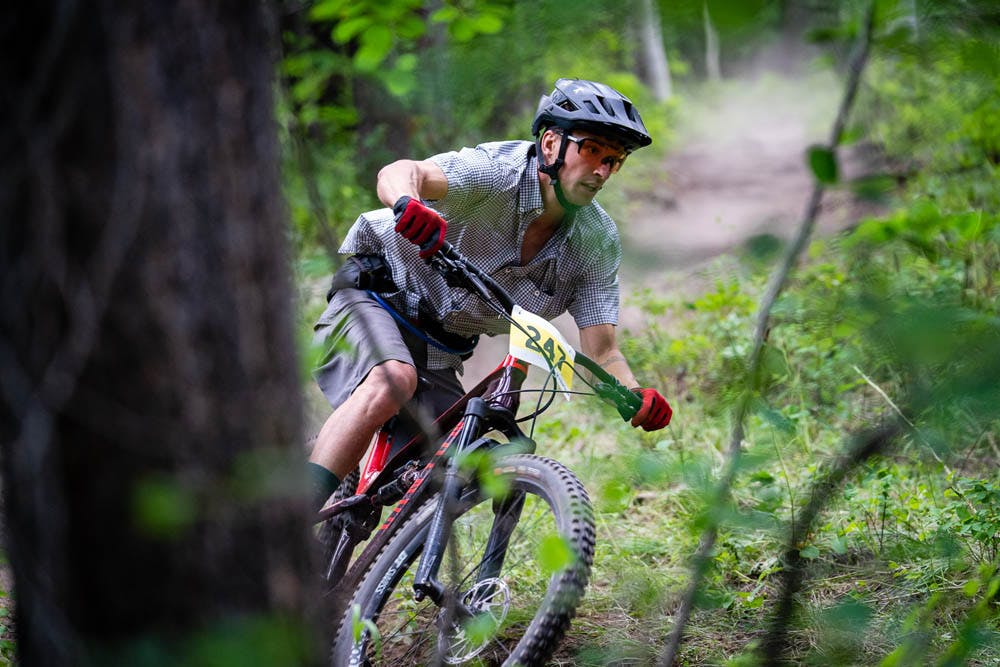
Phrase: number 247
(549, 349)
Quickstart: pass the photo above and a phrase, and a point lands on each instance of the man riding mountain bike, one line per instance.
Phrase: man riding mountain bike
(525, 213)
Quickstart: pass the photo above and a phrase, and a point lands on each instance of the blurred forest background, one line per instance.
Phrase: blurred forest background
(828, 492)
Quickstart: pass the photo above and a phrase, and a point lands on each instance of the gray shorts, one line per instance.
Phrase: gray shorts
(358, 335)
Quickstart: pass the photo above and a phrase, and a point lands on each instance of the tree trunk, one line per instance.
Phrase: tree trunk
(149, 400)
(656, 72)
(712, 69)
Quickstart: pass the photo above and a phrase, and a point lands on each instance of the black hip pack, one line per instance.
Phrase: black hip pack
(371, 273)
(366, 272)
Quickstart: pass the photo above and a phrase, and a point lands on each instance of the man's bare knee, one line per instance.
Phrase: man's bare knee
(391, 383)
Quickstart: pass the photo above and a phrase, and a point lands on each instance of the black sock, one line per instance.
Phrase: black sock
(324, 483)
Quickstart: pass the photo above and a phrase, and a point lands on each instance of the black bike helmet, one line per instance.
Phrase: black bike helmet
(594, 107)
(588, 106)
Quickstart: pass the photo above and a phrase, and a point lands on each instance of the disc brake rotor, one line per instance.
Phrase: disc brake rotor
(489, 601)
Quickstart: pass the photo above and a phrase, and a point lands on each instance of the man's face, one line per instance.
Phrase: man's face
(590, 161)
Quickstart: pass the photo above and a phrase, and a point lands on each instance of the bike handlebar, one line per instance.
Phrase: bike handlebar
(459, 271)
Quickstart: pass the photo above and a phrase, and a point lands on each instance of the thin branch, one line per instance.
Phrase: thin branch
(884, 395)
(778, 281)
(895, 408)
(864, 446)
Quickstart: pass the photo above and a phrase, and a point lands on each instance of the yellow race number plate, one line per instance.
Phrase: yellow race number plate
(536, 341)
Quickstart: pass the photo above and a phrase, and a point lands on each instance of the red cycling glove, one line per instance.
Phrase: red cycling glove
(655, 412)
(420, 225)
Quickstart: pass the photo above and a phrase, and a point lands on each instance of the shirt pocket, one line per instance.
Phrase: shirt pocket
(530, 296)
(545, 276)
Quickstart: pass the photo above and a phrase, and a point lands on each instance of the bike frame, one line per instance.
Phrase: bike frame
(490, 405)
(376, 462)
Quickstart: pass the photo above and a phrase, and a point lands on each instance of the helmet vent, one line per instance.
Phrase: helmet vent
(568, 105)
(607, 106)
(629, 111)
(590, 106)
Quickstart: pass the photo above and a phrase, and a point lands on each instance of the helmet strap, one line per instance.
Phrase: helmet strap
(561, 196)
(552, 171)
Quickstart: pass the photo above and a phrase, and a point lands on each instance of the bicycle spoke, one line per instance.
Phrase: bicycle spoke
(528, 529)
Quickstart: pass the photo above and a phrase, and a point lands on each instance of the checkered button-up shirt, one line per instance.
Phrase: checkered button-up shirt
(493, 195)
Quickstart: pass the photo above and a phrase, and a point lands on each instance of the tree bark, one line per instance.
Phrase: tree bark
(149, 404)
(655, 70)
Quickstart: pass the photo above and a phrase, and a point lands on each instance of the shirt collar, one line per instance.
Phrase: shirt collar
(531, 189)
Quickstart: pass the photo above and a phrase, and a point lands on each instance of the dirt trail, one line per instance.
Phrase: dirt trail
(737, 170)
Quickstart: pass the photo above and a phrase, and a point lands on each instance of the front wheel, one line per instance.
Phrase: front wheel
(515, 565)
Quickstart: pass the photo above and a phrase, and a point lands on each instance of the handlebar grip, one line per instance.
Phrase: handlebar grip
(610, 389)
(626, 401)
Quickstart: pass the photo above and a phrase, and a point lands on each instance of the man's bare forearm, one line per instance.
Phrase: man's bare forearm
(421, 180)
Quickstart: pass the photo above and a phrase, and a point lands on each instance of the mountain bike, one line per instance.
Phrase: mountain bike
(488, 547)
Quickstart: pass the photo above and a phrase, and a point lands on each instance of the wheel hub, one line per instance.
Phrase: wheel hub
(489, 602)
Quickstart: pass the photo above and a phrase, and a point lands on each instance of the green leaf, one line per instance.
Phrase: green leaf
(162, 507)
(824, 35)
(446, 14)
(327, 10)
(554, 553)
(462, 29)
(810, 552)
(407, 62)
(480, 629)
(410, 27)
(763, 247)
(851, 135)
(823, 163)
(399, 82)
(777, 420)
(615, 496)
(376, 42)
(488, 24)
(874, 187)
(347, 30)
(980, 56)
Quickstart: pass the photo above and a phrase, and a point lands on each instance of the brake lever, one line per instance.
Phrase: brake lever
(459, 272)
(454, 273)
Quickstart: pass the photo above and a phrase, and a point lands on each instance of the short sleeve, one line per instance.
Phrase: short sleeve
(596, 298)
(473, 175)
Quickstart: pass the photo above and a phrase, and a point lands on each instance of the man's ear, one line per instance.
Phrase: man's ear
(550, 145)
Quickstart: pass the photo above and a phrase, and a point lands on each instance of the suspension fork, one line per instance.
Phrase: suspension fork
(425, 580)
(497, 409)
(506, 515)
